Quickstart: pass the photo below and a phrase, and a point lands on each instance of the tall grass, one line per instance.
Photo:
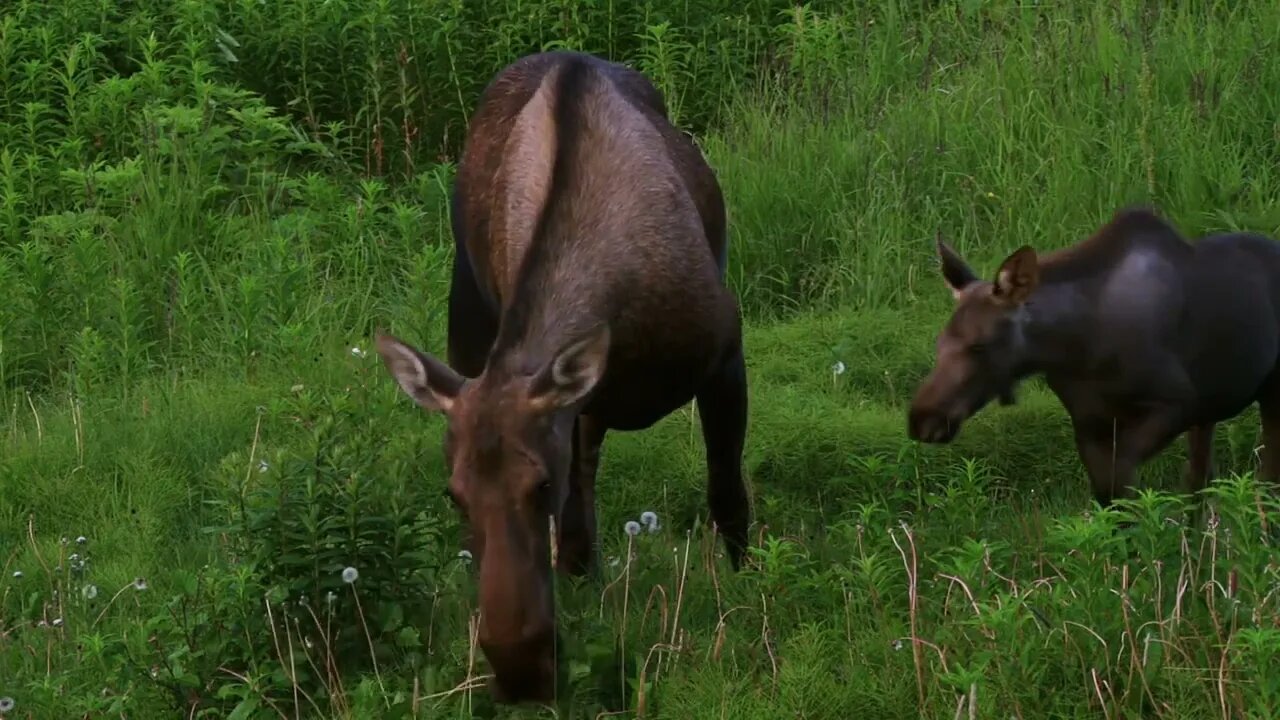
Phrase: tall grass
(208, 206)
(138, 167)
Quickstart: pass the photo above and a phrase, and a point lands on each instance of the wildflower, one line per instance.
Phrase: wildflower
(139, 584)
(6, 704)
(350, 575)
(649, 519)
(464, 555)
(357, 352)
(90, 592)
(17, 574)
(838, 368)
(632, 528)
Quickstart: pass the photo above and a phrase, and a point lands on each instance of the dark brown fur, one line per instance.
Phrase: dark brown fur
(588, 294)
(1142, 335)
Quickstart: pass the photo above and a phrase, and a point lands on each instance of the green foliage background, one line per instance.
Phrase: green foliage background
(206, 207)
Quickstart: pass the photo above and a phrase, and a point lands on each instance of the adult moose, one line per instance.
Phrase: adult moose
(587, 294)
(1140, 334)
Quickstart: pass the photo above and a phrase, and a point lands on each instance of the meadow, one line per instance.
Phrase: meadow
(215, 503)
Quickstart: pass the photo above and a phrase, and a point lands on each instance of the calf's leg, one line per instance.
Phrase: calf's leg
(1113, 450)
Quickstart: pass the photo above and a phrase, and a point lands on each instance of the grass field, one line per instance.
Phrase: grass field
(207, 210)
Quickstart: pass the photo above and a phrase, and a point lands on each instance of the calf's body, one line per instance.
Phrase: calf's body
(587, 295)
(1141, 335)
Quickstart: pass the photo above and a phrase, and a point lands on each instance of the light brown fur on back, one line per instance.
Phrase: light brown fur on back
(523, 181)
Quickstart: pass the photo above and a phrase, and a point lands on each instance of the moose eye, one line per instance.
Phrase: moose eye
(542, 491)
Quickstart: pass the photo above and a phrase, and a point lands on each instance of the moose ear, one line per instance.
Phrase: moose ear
(955, 272)
(573, 372)
(431, 383)
(1017, 277)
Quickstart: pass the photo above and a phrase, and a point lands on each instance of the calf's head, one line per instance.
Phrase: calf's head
(508, 448)
(981, 349)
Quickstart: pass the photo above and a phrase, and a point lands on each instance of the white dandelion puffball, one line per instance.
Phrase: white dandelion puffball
(632, 528)
(57, 622)
(649, 519)
(464, 555)
(90, 592)
(6, 704)
(139, 584)
(17, 574)
(82, 540)
(838, 368)
(350, 575)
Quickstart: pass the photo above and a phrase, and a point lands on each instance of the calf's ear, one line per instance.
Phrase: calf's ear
(1018, 276)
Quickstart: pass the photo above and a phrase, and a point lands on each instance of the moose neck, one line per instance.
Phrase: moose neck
(1055, 328)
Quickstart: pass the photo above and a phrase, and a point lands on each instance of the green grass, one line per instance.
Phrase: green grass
(197, 242)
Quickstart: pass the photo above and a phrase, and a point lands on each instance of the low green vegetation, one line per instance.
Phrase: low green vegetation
(214, 502)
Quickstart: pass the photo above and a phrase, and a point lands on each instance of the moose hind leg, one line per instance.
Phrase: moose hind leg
(1200, 465)
(1269, 410)
(722, 405)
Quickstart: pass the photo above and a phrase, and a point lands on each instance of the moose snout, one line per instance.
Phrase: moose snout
(931, 426)
(525, 670)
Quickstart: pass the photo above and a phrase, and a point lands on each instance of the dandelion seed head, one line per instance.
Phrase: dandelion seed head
(57, 622)
(350, 575)
(897, 644)
(6, 704)
(649, 519)
(139, 584)
(263, 466)
(632, 528)
(82, 540)
(90, 592)
(838, 368)
(17, 574)
(464, 555)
